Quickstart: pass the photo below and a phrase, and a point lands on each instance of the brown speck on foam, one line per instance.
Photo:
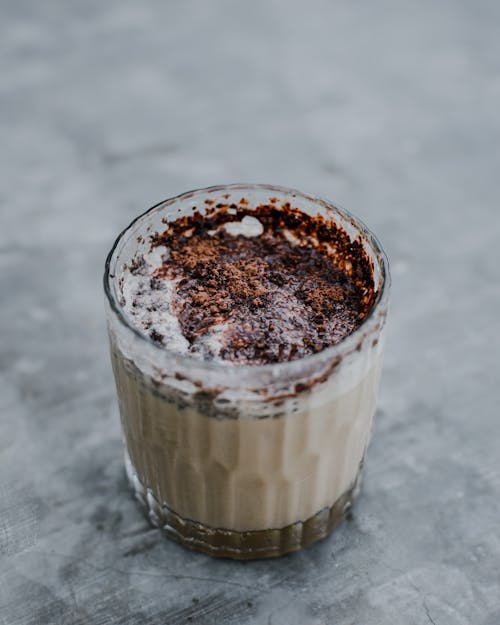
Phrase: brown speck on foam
(156, 336)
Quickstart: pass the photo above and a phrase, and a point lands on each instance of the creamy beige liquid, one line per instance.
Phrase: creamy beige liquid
(249, 473)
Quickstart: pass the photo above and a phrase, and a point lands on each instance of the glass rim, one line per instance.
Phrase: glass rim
(340, 349)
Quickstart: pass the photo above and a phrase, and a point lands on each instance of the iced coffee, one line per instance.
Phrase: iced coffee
(246, 331)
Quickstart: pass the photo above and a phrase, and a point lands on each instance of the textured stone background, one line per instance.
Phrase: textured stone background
(389, 108)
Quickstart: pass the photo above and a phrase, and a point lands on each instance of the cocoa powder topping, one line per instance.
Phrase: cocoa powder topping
(298, 286)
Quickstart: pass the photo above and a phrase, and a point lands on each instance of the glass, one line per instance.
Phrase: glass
(244, 461)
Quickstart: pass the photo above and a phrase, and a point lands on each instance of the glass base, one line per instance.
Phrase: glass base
(251, 545)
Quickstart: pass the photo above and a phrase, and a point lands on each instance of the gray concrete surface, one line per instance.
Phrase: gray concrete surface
(389, 108)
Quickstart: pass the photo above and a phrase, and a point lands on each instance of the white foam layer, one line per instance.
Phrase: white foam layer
(211, 343)
(153, 308)
(248, 227)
